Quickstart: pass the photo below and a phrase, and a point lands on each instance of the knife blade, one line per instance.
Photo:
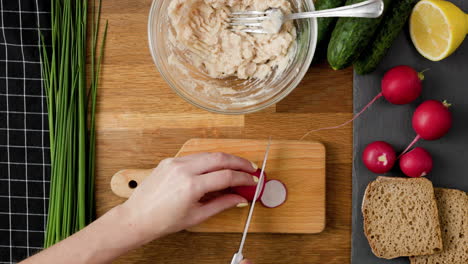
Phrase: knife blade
(238, 257)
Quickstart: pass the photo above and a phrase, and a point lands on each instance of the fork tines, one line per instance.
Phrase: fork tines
(252, 20)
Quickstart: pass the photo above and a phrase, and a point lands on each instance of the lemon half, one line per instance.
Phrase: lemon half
(437, 28)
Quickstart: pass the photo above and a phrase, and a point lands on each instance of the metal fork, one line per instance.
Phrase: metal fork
(271, 20)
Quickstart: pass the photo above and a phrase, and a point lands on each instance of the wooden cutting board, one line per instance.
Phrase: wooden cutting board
(300, 165)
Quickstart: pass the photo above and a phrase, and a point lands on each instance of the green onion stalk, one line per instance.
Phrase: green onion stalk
(71, 106)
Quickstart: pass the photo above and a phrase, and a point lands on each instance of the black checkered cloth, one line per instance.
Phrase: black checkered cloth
(24, 138)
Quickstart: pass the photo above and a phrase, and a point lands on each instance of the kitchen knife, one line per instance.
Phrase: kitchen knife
(238, 257)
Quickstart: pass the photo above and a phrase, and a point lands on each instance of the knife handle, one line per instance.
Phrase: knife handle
(124, 182)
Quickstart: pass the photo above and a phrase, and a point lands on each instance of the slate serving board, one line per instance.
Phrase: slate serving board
(446, 80)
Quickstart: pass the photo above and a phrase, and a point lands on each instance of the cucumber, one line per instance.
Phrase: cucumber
(391, 26)
(325, 24)
(350, 36)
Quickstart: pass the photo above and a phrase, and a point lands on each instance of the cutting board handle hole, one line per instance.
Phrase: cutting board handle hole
(132, 184)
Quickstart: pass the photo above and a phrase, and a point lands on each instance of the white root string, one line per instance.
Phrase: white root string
(347, 122)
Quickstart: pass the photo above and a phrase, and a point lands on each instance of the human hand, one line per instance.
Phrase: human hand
(169, 199)
(246, 261)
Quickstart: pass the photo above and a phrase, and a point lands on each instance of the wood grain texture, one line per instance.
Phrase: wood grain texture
(131, 86)
(124, 182)
(300, 165)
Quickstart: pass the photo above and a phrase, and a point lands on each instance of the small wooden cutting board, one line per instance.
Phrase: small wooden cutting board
(300, 165)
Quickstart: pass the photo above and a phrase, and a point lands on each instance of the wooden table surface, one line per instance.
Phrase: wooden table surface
(141, 121)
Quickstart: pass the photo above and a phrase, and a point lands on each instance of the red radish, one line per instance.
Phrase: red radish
(275, 194)
(400, 85)
(248, 192)
(431, 120)
(416, 163)
(379, 157)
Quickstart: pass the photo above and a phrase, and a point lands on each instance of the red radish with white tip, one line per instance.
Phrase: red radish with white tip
(431, 120)
(400, 85)
(416, 163)
(379, 157)
(274, 195)
(248, 192)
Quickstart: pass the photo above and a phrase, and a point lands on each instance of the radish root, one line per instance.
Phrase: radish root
(347, 122)
(409, 146)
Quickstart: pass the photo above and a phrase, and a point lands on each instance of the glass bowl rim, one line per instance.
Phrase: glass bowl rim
(312, 45)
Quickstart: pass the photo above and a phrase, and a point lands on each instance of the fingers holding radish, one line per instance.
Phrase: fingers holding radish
(248, 192)
(217, 205)
(222, 179)
(272, 194)
(188, 190)
(208, 162)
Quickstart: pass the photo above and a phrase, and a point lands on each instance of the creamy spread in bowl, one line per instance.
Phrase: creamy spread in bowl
(202, 27)
(223, 71)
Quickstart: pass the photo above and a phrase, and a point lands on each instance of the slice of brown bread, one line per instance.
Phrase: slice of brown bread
(453, 214)
(401, 217)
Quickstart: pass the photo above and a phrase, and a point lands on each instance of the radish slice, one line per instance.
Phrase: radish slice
(274, 194)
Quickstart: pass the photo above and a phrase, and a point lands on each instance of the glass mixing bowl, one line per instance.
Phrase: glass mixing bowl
(230, 95)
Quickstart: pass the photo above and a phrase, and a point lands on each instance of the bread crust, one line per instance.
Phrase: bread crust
(431, 205)
(453, 207)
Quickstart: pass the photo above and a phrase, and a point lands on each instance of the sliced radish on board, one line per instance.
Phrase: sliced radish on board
(274, 194)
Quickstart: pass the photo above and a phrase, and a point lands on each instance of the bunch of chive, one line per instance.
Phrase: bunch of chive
(71, 102)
